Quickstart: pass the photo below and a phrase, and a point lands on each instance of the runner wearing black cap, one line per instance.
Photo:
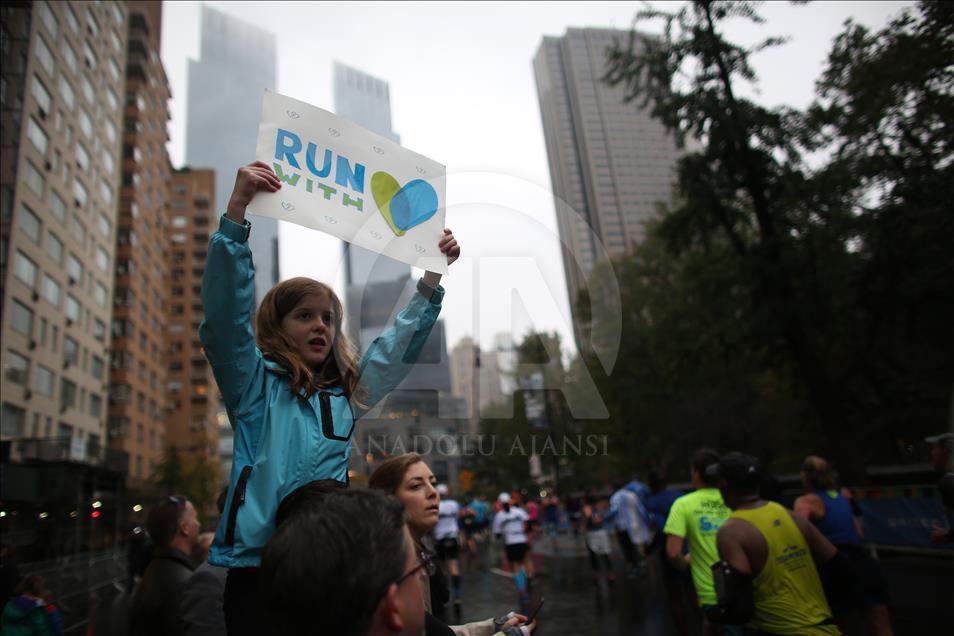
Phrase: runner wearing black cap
(767, 579)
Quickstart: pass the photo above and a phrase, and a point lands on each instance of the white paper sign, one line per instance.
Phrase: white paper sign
(344, 180)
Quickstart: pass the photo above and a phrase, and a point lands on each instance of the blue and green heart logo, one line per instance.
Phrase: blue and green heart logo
(403, 208)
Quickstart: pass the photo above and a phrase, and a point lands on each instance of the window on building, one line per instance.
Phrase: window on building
(89, 55)
(13, 420)
(72, 309)
(69, 55)
(71, 20)
(51, 290)
(29, 223)
(102, 259)
(42, 96)
(70, 350)
(16, 368)
(114, 71)
(109, 164)
(91, 22)
(67, 394)
(120, 393)
(103, 223)
(24, 269)
(57, 206)
(112, 100)
(66, 92)
(81, 194)
(85, 123)
(21, 318)
(99, 330)
(49, 20)
(34, 179)
(112, 134)
(101, 294)
(95, 405)
(44, 56)
(97, 367)
(43, 381)
(37, 136)
(106, 194)
(74, 269)
(82, 157)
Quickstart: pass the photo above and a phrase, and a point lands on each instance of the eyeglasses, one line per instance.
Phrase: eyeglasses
(425, 562)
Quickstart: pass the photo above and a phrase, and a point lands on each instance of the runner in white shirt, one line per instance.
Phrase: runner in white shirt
(446, 535)
(510, 524)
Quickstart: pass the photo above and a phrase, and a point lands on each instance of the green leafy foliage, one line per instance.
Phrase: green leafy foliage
(797, 294)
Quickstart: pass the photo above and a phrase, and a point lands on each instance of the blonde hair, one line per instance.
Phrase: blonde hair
(341, 367)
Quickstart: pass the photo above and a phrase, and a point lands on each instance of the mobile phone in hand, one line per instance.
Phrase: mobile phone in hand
(536, 611)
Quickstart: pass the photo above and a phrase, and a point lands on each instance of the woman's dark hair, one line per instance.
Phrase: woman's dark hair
(701, 460)
(389, 474)
(305, 498)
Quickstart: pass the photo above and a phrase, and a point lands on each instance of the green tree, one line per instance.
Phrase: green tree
(830, 284)
(194, 476)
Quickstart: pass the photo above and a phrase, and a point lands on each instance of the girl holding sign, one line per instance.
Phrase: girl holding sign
(292, 389)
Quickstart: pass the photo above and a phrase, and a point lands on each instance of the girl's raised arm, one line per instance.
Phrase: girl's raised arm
(228, 295)
(392, 355)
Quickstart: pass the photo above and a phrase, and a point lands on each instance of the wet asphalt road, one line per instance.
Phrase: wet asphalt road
(578, 604)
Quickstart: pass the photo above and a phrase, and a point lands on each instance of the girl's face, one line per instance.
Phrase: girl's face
(311, 326)
(418, 493)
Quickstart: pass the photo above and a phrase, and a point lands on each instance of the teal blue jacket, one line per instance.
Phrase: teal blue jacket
(283, 441)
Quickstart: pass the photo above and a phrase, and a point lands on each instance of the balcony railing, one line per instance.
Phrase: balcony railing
(63, 449)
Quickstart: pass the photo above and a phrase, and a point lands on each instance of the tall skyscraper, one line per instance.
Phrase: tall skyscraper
(136, 423)
(373, 283)
(610, 162)
(476, 378)
(192, 420)
(378, 287)
(237, 63)
(61, 113)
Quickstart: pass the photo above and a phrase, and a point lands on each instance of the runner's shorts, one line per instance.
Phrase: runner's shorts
(516, 552)
(447, 549)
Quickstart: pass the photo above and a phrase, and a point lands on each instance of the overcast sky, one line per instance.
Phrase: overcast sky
(463, 93)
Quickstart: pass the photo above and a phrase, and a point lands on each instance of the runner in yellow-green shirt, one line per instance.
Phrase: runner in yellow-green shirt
(771, 556)
(694, 520)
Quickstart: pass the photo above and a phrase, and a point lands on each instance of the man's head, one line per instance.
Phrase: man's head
(349, 555)
(701, 460)
(817, 474)
(942, 445)
(738, 478)
(173, 523)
